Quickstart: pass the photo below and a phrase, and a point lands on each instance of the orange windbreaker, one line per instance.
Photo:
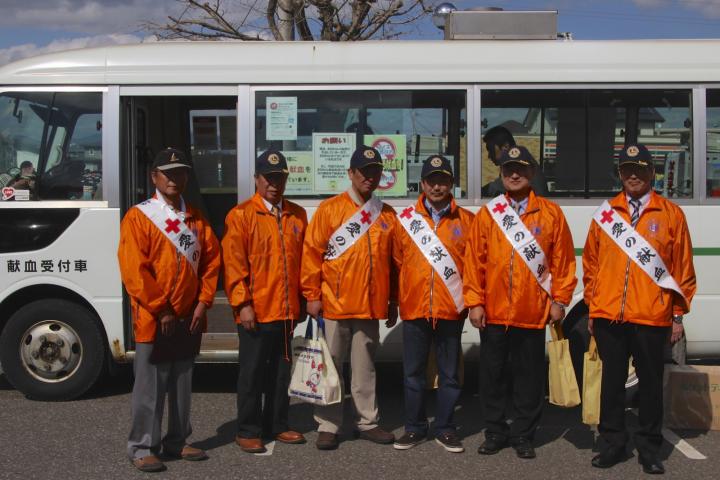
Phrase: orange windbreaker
(156, 275)
(262, 259)
(497, 278)
(357, 284)
(422, 293)
(617, 289)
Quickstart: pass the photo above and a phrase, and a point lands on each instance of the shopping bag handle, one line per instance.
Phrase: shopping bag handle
(309, 328)
(592, 348)
(556, 332)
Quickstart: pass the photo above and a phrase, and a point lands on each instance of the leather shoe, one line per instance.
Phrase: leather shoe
(250, 445)
(378, 435)
(326, 441)
(651, 465)
(290, 437)
(524, 449)
(149, 463)
(492, 445)
(188, 453)
(608, 458)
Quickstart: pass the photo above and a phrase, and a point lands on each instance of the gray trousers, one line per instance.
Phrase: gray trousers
(359, 339)
(152, 382)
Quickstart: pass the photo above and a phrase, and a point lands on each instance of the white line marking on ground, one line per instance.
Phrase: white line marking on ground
(683, 446)
(269, 447)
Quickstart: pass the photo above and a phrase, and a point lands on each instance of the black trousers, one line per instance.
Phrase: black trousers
(518, 353)
(263, 369)
(616, 343)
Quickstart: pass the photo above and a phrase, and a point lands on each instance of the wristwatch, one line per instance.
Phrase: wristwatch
(677, 319)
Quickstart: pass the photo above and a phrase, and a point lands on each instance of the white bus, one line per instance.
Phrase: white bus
(79, 129)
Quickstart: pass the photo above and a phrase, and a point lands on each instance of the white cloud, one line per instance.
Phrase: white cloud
(18, 52)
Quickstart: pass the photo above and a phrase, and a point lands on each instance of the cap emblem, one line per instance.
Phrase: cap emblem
(633, 151)
(369, 154)
(514, 152)
(273, 159)
(436, 162)
(173, 158)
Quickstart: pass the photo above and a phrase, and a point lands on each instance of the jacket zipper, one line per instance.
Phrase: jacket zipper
(285, 268)
(627, 279)
(371, 269)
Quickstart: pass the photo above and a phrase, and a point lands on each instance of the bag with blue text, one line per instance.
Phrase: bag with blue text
(314, 377)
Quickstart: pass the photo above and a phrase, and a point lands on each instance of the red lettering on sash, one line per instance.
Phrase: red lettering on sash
(500, 208)
(607, 216)
(365, 217)
(407, 213)
(172, 226)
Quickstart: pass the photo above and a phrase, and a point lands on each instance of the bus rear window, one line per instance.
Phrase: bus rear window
(51, 145)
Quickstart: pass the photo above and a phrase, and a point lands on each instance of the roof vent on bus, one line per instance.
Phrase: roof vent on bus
(494, 23)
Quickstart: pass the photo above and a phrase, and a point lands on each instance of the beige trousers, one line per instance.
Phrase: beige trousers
(360, 339)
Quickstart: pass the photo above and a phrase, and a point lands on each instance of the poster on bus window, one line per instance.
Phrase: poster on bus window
(393, 152)
(281, 118)
(301, 177)
(331, 159)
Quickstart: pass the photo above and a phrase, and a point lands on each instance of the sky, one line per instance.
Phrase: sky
(33, 27)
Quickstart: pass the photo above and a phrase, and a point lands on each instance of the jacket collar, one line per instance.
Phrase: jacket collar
(533, 204)
(620, 202)
(420, 206)
(260, 206)
(186, 209)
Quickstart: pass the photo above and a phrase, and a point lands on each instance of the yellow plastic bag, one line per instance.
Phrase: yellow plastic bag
(564, 390)
(592, 380)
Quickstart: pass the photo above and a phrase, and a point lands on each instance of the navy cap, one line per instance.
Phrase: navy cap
(637, 154)
(270, 161)
(170, 158)
(517, 154)
(364, 156)
(436, 164)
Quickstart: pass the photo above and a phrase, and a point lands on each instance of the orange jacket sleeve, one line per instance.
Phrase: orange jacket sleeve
(683, 269)
(314, 246)
(209, 267)
(590, 261)
(475, 262)
(562, 263)
(235, 259)
(136, 266)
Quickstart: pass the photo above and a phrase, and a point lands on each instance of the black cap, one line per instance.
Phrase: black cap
(517, 154)
(170, 158)
(270, 161)
(637, 154)
(364, 156)
(435, 164)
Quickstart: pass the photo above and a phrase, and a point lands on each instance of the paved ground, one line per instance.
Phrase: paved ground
(86, 439)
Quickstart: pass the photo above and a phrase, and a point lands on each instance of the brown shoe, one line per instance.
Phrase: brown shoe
(188, 453)
(378, 435)
(326, 441)
(290, 437)
(151, 463)
(250, 445)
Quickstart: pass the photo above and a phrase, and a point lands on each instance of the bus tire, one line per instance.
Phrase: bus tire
(52, 350)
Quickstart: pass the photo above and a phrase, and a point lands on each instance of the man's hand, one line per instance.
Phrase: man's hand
(477, 317)
(168, 321)
(557, 313)
(199, 318)
(314, 307)
(247, 317)
(392, 315)
(677, 333)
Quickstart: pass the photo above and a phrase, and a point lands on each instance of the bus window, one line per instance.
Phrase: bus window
(318, 131)
(51, 145)
(713, 143)
(576, 136)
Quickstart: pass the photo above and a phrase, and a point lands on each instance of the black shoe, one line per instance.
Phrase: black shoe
(608, 458)
(326, 441)
(450, 442)
(651, 465)
(524, 449)
(492, 445)
(409, 440)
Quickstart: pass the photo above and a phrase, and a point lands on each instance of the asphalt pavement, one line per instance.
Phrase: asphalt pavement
(86, 438)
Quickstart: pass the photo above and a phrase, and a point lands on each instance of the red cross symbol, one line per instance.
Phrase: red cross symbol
(407, 213)
(500, 207)
(365, 217)
(607, 216)
(172, 226)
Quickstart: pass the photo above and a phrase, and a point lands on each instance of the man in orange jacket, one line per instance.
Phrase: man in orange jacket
(428, 253)
(169, 262)
(519, 273)
(345, 277)
(262, 248)
(639, 281)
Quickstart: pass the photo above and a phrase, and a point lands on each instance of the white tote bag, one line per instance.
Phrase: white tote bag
(314, 377)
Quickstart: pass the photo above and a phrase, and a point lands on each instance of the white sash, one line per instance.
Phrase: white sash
(524, 242)
(635, 247)
(174, 228)
(355, 227)
(435, 253)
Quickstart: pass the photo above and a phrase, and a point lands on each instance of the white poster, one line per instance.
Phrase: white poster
(331, 156)
(281, 118)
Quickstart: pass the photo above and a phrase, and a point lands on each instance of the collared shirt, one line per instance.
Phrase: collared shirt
(436, 214)
(180, 213)
(521, 206)
(355, 197)
(270, 206)
(644, 200)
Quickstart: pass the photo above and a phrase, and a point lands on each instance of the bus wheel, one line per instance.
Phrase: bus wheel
(52, 350)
